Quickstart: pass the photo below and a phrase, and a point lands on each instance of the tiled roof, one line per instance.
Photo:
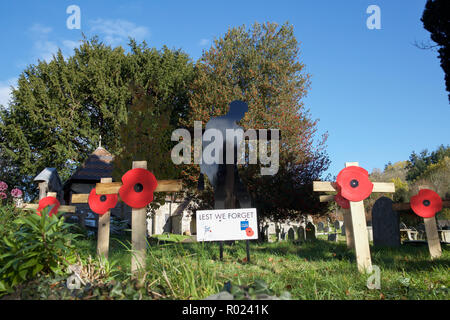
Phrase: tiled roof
(98, 165)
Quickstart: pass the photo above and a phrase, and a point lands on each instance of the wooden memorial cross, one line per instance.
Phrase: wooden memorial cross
(434, 243)
(139, 216)
(103, 224)
(358, 218)
(106, 186)
(35, 206)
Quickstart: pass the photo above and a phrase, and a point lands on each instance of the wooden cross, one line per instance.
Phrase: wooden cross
(138, 217)
(434, 243)
(358, 219)
(35, 206)
(102, 225)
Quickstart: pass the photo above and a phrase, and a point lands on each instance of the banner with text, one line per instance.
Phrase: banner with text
(227, 224)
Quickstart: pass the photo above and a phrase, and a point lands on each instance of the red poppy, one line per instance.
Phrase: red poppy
(138, 186)
(426, 203)
(341, 201)
(48, 201)
(354, 183)
(249, 231)
(100, 203)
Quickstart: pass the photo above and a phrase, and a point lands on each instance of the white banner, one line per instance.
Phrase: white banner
(227, 224)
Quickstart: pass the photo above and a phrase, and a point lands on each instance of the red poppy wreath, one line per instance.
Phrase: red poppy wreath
(354, 183)
(48, 201)
(426, 203)
(341, 201)
(101, 203)
(137, 188)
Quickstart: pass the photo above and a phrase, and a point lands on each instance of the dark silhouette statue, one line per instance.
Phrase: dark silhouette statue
(229, 191)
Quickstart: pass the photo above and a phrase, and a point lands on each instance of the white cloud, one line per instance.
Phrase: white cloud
(69, 46)
(203, 42)
(115, 32)
(5, 90)
(44, 49)
(40, 29)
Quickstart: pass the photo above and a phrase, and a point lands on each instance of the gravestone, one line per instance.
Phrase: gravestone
(301, 234)
(310, 232)
(320, 227)
(332, 237)
(291, 234)
(343, 230)
(271, 231)
(338, 225)
(385, 224)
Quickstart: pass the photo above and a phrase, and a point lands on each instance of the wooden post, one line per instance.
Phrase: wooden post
(43, 187)
(360, 234)
(103, 229)
(247, 247)
(139, 231)
(348, 228)
(434, 244)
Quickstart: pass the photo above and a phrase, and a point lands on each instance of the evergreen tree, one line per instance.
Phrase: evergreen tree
(261, 67)
(436, 19)
(60, 108)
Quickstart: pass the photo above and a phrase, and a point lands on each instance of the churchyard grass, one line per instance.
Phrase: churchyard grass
(313, 270)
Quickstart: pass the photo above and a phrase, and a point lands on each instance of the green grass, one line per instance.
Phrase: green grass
(315, 270)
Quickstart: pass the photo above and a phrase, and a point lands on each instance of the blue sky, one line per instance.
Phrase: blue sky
(376, 94)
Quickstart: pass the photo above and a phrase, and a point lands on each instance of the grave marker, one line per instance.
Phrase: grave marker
(139, 214)
(310, 231)
(385, 224)
(301, 234)
(291, 234)
(320, 227)
(359, 187)
(332, 237)
(426, 204)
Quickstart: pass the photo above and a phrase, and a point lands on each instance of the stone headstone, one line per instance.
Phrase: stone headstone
(301, 234)
(320, 227)
(332, 237)
(310, 231)
(338, 225)
(385, 224)
(343, 230)
(291, 234)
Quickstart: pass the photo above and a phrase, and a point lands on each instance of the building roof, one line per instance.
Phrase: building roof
(50, 175)
(98, 165)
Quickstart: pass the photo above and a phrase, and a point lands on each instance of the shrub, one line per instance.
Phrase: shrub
(36, 244)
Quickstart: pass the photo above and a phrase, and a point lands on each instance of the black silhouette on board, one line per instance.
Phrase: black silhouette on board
(229, 191)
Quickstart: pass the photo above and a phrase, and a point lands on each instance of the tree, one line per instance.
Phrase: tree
(60, 108)
(436, 19)
(418, 163)
(261, 67)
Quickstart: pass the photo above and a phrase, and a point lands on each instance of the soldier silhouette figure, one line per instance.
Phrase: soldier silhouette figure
(229, 191)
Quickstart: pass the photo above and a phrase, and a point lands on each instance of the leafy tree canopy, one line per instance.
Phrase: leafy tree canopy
(436, 19)
(60, 108)
(262, 67)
